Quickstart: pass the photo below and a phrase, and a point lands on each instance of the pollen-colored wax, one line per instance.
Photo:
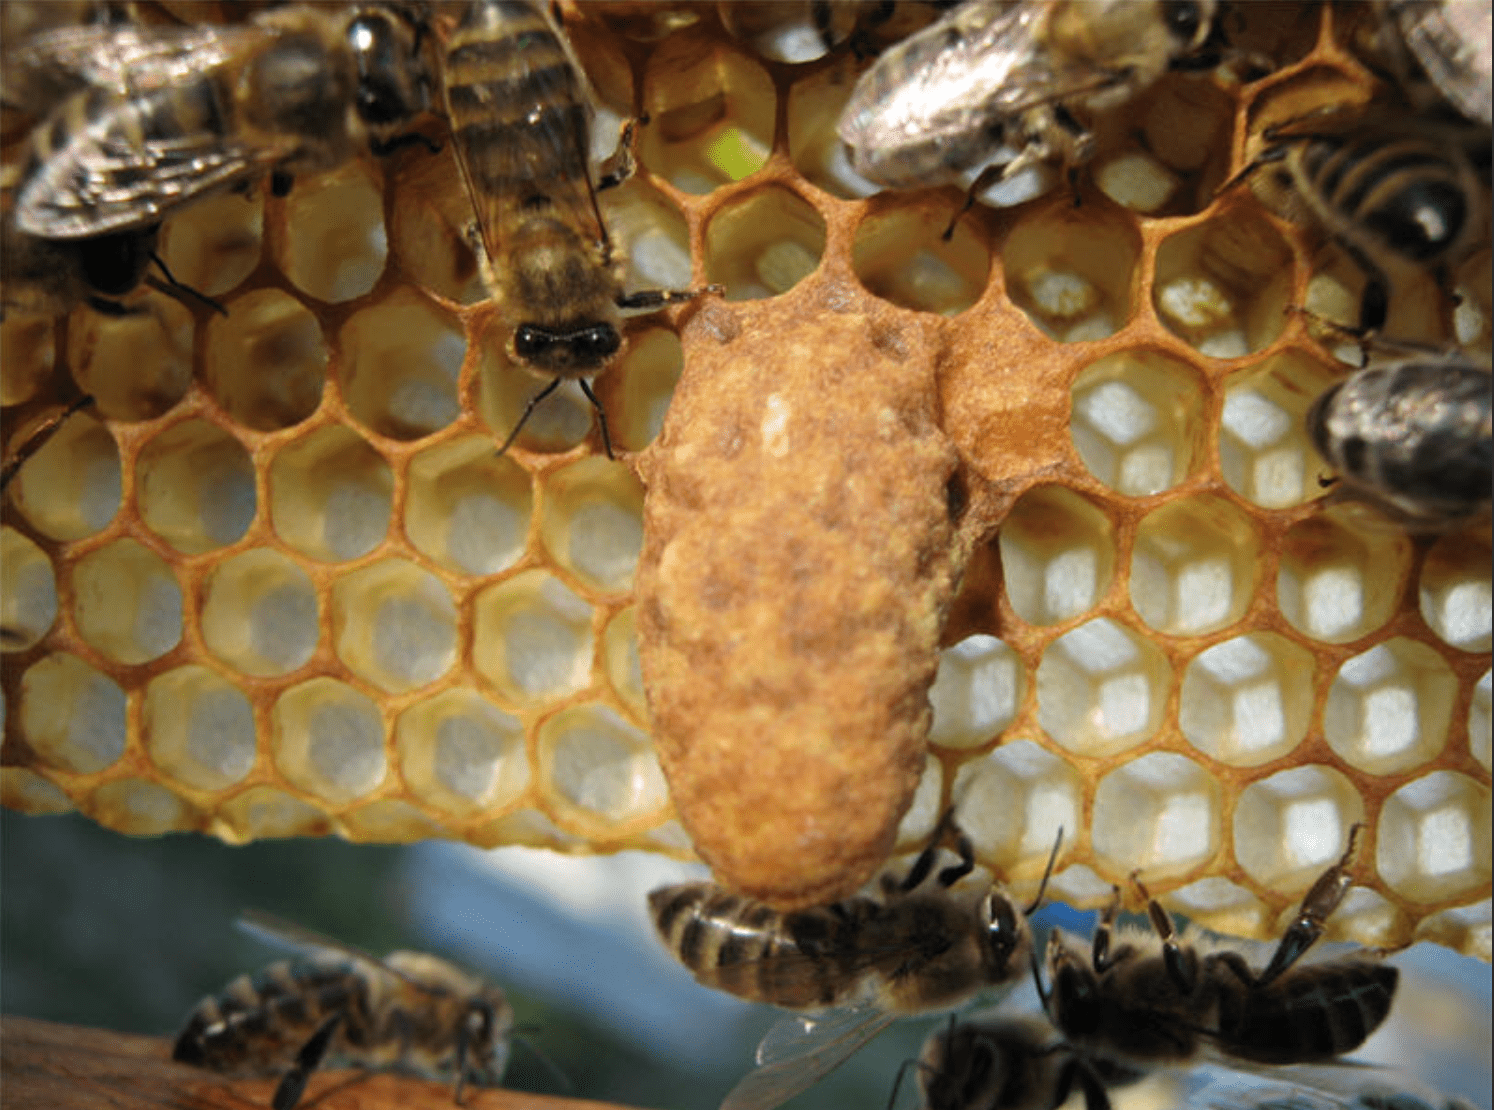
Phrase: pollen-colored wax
(800, 553)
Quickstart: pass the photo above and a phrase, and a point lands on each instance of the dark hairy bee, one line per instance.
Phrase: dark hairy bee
(1397, 194)
(1002, 1062)
(1023, 75)
(1153, 1000)
(920, 947)
(1413, 437)
(521, 111)
(409, 1011)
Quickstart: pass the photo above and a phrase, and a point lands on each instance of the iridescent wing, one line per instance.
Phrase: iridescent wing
(521, 111)
(800, 1050)
(125, 61)
(290, 937)
(136, 158)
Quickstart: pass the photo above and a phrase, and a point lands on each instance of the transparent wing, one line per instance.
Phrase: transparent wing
(287, 936)
(124, 170)
(800, 1050)
(521, 128)
(123, 60)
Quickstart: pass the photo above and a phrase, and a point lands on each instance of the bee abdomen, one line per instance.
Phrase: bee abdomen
(1408, 191)
(747, 948)
(1325, 1012)
(258, 1024)
(508, 76)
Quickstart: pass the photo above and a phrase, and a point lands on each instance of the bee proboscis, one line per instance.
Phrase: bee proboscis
(858, 964)
(1154, 1000)
(410, 1011)
(1022, 75)
(521, 112)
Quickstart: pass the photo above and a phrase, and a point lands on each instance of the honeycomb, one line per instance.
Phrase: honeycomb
(277, 582)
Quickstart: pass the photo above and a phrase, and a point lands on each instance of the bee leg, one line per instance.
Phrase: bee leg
(658, 298)
(1073, 1072)
(293, 1083)
(528, 409)
(1321, 899)
(177, 289)
(1172, 953)
(601, 415)
(383, 148)
(925, 861)
(992, 175)
(38, 439)
(619, 165)
(1100, 955)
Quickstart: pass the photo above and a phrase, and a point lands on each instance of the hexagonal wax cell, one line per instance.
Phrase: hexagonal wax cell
(1057, 555)
(1389, 708)
(1290, 826)
(976, 692)
(1013, 801)
(1434, 836)
(462, 753)
(532, 638)
(72, 716)
(1247, 700)
(1101, 689)
(1194, 565)
(199, 729)
(600, 768)
(1137, 422)
(394, 625)
(329, 740)
(1339, 580)
(1159, 813)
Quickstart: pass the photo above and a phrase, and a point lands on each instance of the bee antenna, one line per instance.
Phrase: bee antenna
(563, 1080)
(1047, 874)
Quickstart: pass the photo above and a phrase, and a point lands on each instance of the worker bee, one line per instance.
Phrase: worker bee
(409, 1011)
(1396, 194)
(1450, 40)
(864, 961)
(1024, 75)
(1135, 1007)
(166, 115)
(521, 110)
(1000, 1062)
(1413, 437)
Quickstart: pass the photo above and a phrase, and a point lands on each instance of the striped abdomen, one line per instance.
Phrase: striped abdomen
(258, 1024)
(519, 107)
(1318, 1013)
(807, 959)
(1412, 194)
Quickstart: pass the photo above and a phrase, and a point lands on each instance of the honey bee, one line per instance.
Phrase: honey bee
(1396, 194)
(521, 109)
(165, 115)
(1450, 39)
(1134, 1007)
(1022, 75)
(409, 1011)
(865, 961)
(1413, 437)
(1002, 1062)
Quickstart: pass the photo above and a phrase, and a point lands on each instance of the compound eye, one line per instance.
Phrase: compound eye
(597, 343)
(530, 342)
(1184, 18)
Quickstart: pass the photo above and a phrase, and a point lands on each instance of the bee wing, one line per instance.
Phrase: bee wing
(290, 937)
(506, 160)
(124, 60)
(115, 176)
(800, 1050)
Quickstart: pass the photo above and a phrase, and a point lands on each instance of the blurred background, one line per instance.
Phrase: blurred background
(127, 934)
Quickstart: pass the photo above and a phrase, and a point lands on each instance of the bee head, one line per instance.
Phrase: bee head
(486, 1028)
(1007, 936)
(576, 351)
(392, 81)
